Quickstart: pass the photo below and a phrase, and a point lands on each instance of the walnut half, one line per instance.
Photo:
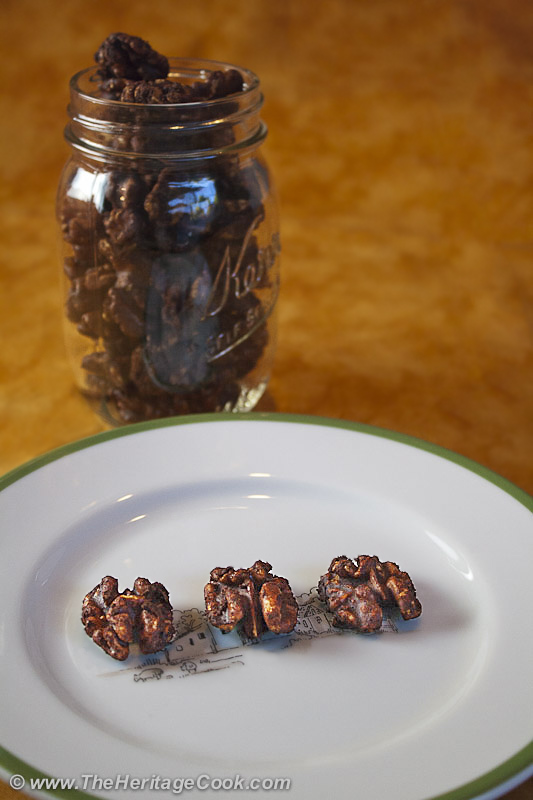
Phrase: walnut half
(357, 591)
(253, 597)
(115, 619)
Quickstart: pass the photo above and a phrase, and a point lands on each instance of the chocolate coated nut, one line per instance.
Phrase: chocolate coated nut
(122, 55)
(253, 597)
(114, 620)
(356, 591)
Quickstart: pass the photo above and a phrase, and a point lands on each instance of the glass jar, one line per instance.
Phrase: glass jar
(171, 247)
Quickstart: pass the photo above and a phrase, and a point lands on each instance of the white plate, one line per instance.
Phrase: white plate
(443, 707)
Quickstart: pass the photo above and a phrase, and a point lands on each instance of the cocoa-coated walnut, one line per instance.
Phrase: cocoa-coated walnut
(253, 597)
(115, 620)
(357, 591)
(123, 56)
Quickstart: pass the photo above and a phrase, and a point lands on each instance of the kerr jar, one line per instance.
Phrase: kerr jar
(171, 244)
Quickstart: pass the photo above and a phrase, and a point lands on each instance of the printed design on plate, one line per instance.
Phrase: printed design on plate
(198, 647)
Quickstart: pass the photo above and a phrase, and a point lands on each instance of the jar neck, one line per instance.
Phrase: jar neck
(105, 128)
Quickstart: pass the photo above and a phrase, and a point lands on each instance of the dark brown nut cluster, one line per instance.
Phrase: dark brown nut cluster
(253, 597)
(218, 84)
(152, 258)
(132, 71)
(115, 619)
(356, 592)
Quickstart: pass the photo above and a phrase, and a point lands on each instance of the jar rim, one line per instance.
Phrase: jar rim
(193, 68)
(197, 129)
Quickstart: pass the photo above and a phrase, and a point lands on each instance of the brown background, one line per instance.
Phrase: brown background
(401, 141)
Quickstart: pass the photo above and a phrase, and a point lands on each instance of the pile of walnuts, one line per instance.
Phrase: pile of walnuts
(142, 256)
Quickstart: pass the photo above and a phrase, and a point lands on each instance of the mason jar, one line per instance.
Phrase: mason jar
(170, 245)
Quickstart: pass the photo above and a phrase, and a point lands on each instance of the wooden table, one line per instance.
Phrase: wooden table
(401, 142)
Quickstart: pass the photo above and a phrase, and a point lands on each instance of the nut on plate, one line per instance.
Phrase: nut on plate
(114, 619)
(357, 591)
(253, 597)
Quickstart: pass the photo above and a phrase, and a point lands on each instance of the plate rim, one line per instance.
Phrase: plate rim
(513, 771)
(33, 464)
